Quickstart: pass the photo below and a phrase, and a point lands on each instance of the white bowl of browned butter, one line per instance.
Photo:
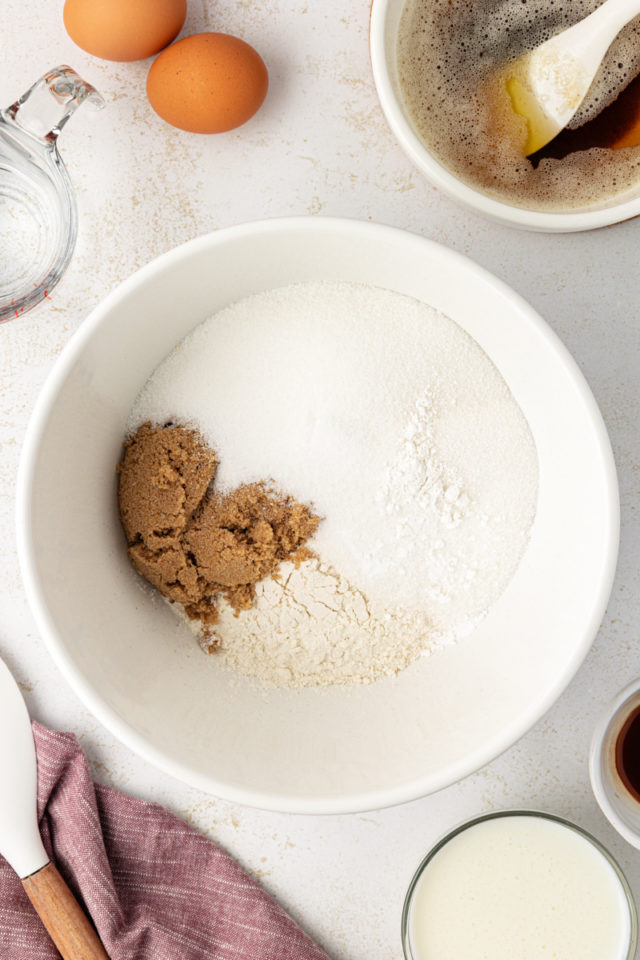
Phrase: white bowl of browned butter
(434, 66)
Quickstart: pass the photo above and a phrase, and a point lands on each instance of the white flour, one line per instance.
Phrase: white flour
(393, 423)
(311, 627)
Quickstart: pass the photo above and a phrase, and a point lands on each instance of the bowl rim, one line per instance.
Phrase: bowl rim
(441, 177)
(291, 803)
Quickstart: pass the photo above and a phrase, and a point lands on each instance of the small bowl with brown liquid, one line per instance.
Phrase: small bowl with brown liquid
(438, 68)
(614, 763)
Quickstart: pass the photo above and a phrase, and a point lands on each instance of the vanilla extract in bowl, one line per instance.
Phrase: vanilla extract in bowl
(451, 59)
(627, 754)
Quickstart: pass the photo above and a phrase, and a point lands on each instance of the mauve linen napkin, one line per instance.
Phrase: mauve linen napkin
(154, 888)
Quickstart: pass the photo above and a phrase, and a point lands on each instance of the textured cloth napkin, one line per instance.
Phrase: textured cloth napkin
(154, 888)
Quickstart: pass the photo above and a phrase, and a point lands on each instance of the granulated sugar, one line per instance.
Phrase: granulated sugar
(395, 426)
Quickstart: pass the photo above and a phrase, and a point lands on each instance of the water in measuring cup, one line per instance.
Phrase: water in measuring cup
(28, 229)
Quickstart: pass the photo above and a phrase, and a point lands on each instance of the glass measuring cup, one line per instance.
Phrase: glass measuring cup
(38, 216)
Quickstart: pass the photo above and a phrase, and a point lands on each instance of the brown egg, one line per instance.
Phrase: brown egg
(207, 83)
(124, 29)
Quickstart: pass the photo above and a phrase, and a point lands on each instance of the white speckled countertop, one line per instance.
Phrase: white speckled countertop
(320, 145)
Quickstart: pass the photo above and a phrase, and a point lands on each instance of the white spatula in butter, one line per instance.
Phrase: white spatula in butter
(20, 842)
(548, 85)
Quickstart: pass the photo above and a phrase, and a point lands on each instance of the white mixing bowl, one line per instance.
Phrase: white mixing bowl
(335, 749)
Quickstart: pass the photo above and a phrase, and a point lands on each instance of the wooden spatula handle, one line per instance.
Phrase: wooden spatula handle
(63, 917)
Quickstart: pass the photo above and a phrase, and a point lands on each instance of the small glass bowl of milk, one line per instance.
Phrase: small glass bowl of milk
(519, 885)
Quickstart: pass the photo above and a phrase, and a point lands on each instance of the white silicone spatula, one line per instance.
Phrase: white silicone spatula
(20, 841)
(548, 85)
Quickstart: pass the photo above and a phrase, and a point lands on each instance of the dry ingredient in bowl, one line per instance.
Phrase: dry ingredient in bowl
(395, 425)
(310, 626)
(194, 545)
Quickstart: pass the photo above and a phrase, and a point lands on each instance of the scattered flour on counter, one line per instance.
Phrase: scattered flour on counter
(394, 425)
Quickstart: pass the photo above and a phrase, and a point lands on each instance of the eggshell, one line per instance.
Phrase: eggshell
(207, 83)
(124, 29)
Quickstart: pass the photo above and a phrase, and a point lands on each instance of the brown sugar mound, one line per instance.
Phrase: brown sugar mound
(191, 543)
(241, 538)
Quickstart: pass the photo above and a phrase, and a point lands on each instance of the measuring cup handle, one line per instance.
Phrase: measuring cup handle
(47, 105)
